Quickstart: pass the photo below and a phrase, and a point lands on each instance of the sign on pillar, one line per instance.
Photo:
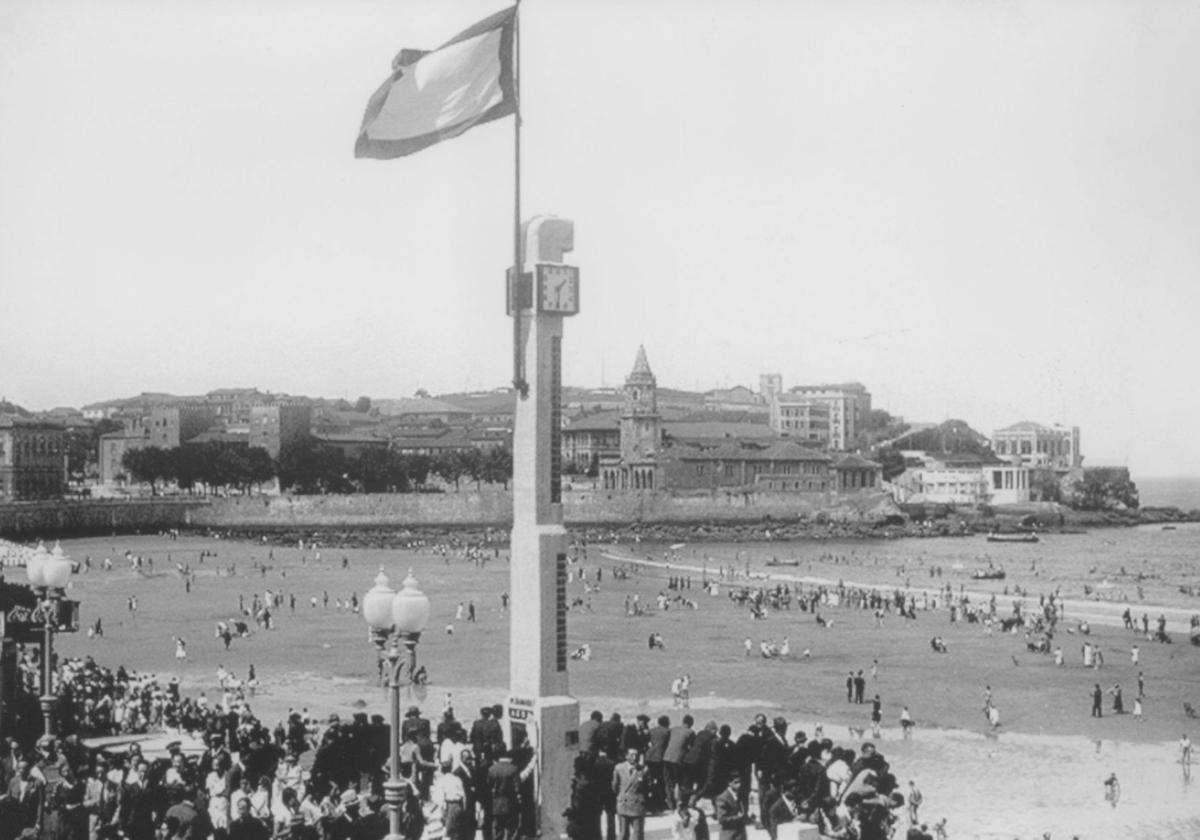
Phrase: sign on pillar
(540, 708)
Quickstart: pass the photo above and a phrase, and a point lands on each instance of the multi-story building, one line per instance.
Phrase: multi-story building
(173, 426)
(113, 447)
(806, 420)
(33, 459)
(641, 433)
(639, 449)
(588, 439)
(233, 405)
(1035, 445)
(273, 427)
(964, 480)
(827, 414)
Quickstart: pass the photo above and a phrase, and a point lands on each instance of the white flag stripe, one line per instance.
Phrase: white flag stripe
(448, 87)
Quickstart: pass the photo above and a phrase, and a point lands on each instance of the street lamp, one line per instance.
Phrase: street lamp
(396, 619)
(48, 573)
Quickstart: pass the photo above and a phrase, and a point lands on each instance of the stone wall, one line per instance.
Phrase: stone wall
(489, 507)
(32, 520)
(494, 507)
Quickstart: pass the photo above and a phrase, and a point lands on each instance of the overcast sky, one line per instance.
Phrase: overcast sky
(984, 210)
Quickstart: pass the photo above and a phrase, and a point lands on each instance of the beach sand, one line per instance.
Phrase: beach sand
(1044, 771)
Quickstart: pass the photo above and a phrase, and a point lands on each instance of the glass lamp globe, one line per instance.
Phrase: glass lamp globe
(410, 607)
(35, 566)
(57, 569)
(377, 603)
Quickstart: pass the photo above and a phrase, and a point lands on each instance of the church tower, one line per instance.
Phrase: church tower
(641, 428)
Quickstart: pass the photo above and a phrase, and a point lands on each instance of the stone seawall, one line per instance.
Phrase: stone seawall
(468, 508)
(83, 517)
(493, 507)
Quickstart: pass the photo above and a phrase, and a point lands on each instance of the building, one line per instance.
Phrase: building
(640, 432)
(273, 427)
(589, 439)
(423, 411)
(642, 448)
(1035, 445)
(781, 465)
(964, 479)
(33, 459)
(113, 447)
(234, 405)
(173, 426)
(829, 415)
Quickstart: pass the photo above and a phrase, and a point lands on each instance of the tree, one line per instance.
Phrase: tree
(450, 466)
(83, 447)
(1104, 488)
(497, 465)
(310, 467)
(416, 469)
(362, 405)
(892, 461)
(1044, 485)
(148, 465)
(187, 466)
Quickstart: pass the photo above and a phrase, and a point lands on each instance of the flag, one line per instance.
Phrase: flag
(433, 96)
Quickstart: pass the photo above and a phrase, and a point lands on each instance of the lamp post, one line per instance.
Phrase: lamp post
(396, 620)
(48, 573)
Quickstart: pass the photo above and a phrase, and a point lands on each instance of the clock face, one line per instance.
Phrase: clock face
(558, 289)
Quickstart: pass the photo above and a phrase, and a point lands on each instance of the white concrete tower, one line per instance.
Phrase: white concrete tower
(539, 702)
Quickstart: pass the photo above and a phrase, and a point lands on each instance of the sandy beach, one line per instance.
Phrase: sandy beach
(1042, 771)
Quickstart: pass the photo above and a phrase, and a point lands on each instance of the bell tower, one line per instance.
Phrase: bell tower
(641, 427)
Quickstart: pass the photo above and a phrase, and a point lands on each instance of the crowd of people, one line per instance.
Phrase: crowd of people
(626, 771)
(227, 776)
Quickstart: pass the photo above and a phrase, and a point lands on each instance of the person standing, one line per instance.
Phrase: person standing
(849, 684)
(629, 787)
(679, 740)
(1097, 701)
(660, 733)
(914, 803)
(730, 815)
(505, 786)
(860, 687)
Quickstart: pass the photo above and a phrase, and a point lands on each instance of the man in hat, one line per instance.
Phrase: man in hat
(504, 784)
(412, 722)
(487, 737)
(348, 824)
(245, 826)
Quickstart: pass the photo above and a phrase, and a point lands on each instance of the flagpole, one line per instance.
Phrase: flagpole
(519, 383)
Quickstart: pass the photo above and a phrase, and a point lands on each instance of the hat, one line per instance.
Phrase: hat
(349, 798)
(413, 711)
(333, 718)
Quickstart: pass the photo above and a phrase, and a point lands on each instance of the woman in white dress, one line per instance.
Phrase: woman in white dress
(217, 785)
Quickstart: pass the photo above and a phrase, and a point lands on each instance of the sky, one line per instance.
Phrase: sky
(980, 210)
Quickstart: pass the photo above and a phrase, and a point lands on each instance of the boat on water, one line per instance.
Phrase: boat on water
(988, 574)
(1013, 538)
